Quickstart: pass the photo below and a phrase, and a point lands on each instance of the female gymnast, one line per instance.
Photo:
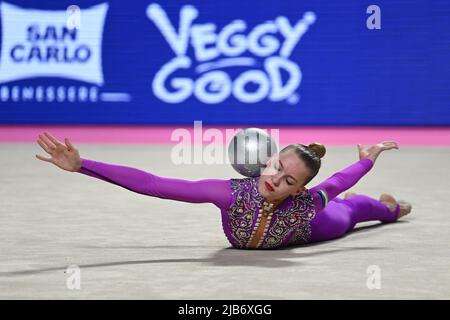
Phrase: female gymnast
(274, 210)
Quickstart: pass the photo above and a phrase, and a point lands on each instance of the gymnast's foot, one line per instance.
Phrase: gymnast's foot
(349, 194)
(391, 203)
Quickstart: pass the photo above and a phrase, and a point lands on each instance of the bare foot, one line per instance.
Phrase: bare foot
(349, 194)
(390, 201)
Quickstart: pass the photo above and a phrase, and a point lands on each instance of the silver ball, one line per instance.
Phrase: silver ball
(249, 151)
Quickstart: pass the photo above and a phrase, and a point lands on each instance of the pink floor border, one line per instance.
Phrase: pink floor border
(406, 136)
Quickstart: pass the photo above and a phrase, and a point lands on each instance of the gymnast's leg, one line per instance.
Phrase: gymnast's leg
(341, 215)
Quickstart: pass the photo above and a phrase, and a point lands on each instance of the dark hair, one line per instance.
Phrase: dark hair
(311, 155)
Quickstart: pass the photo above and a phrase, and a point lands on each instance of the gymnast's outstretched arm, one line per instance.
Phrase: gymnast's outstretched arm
(347, 178)
(216, 191)
(66, 157)
(339, 182)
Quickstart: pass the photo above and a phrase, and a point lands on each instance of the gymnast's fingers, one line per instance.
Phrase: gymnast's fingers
(390, 145)
(69, 144)
(53, 139)
(44, 146)
(47, 141)
(44, 158)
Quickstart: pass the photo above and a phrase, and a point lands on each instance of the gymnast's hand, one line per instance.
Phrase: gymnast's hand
(63, 156)
(374, 151)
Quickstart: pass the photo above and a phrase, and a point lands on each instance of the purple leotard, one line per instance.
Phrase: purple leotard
(314, 215)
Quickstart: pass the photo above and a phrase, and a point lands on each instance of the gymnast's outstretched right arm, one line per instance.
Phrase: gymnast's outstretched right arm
(216, 191)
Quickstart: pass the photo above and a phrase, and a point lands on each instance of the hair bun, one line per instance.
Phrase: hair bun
(318, 148)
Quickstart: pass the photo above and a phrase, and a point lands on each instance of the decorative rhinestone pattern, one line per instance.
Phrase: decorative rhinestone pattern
(246, 212)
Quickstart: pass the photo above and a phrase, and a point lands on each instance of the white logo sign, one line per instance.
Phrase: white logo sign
(266, 49)
(39, 43)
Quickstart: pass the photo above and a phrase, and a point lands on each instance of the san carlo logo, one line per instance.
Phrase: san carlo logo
(262, 51)
(42, 53)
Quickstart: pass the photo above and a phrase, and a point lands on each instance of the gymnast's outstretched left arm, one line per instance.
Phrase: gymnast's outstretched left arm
(66, 157)
(347, 178)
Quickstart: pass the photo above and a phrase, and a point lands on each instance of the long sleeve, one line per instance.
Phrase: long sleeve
(339, 182)
(216, 191)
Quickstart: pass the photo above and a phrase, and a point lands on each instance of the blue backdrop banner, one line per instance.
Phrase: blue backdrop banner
(237, 62)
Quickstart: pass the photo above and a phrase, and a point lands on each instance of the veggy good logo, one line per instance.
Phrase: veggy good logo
(264, 50)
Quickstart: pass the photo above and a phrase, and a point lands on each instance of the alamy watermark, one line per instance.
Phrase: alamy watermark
(374, 20)
(210, 146)
(73, 20)
(374, 279)
(73, 281)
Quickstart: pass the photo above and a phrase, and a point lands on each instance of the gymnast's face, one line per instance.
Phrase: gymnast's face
(284, 175)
